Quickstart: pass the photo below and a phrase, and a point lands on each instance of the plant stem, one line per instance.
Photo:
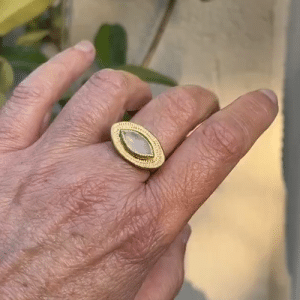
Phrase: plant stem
(159, 33)
(54, 32)
(66, 12)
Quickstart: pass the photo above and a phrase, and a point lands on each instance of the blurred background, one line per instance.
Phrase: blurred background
(244, 244)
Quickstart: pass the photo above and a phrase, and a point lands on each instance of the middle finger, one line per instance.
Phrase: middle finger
(86, 119)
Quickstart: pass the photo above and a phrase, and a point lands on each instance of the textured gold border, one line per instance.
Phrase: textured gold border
(150, 163)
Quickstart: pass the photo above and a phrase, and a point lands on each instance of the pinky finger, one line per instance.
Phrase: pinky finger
(166, 277)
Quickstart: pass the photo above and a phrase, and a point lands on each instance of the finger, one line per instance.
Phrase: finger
(174, 113)
(45, 123)
(166, 278)
(208, 155)
(22, 116)
(100, 102)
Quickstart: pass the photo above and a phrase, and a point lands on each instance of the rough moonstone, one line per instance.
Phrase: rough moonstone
(136, 143)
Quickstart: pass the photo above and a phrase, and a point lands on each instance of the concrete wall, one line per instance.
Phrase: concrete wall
(237, 249)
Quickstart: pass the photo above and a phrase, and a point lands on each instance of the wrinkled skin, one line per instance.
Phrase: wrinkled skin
(78, 221)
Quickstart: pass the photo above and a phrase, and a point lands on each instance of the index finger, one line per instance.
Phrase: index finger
(206, 157)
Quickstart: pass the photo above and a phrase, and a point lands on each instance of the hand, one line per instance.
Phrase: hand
(78, 221)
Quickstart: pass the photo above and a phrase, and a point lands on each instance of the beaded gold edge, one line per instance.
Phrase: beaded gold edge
(149, 163)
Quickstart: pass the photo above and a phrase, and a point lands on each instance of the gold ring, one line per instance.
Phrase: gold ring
(137, 145)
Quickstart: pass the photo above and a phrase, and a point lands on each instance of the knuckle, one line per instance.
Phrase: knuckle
(113, 82)
(200, 92)
(24, 93)
(183, 101)
(179, 107)
(223, 141)
(187, 102)
(200, 95)
(162, 197)
(142, 234)
(141, 240)
(88, 119)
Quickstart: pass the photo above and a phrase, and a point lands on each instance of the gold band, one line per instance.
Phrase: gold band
(137, 145)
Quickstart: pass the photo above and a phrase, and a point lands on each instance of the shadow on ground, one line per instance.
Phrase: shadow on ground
(188, 292)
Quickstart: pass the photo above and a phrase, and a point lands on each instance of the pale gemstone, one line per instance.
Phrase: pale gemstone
(136, 143)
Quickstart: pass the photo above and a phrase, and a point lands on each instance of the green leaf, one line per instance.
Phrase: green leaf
(126, 117)
(148, 75)
(111, 46)
(2, 100)
(32, 25)
(32, 38)
(14, 13)
(58, 21)
(23, 58)
(57, 16)
(6, 76)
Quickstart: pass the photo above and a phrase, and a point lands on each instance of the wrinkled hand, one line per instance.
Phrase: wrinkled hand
(78, 221)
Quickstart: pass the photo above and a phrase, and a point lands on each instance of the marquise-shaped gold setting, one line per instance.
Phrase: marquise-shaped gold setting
(137, 145)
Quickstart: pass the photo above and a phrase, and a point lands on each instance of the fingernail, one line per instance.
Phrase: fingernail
(85, 46)
(272, 96)
(186, 233)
